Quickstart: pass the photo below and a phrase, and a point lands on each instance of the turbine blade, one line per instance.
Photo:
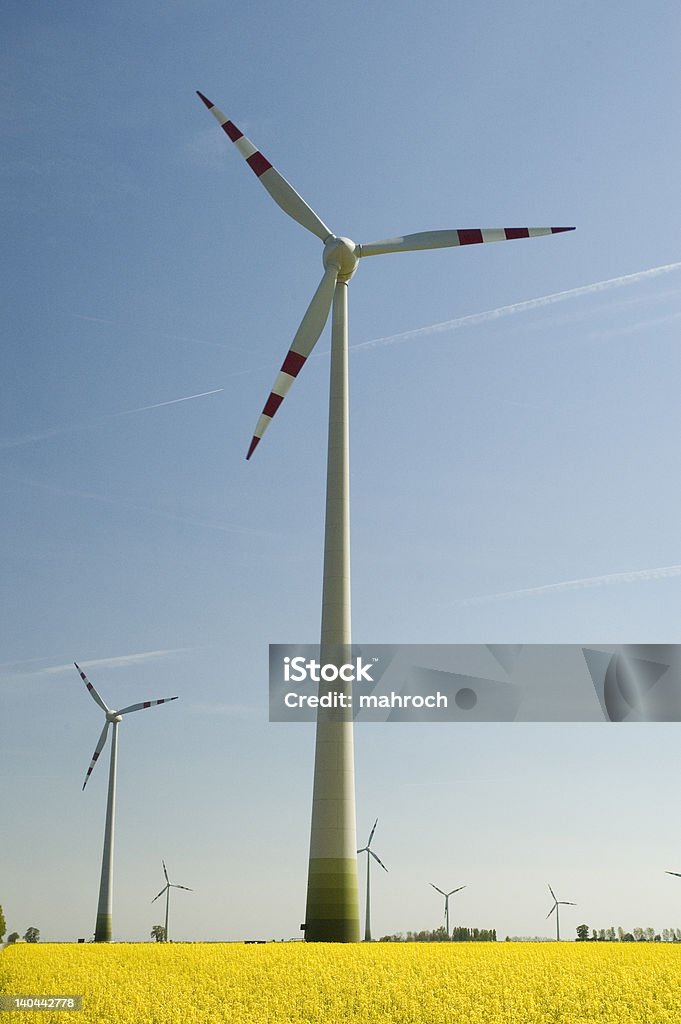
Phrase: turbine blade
(551, 911)
(93, 692)
(456, 890)
(365, 849)
(144, 704)
(186, 887)
(377, 858)
(439, 890)
(306, 338)
(566, 903)
(371, 836)
(552, 893)
(445, 239)
(165, 871)
(678, 875)
(278, 187)
(98, 749)
(161, 892)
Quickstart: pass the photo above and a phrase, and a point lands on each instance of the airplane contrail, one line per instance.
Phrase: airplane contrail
(173, 401)
(17, 442)
(520, 307)
(635, 576)
(121, 661)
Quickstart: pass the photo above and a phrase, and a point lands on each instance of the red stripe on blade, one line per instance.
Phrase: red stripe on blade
(272, 404)
(254, 444)
(232, 130)
(147, 703)
(258, 163)
(469, 236)
(517, 232)
(206, 101)
(555, 231)
(293, 363)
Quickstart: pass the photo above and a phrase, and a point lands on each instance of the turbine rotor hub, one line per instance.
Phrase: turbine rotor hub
(341, 253)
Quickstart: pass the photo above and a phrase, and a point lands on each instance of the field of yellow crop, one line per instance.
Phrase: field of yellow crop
(293, 983)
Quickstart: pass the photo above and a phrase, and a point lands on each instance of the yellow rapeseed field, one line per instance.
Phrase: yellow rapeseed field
(294, 983)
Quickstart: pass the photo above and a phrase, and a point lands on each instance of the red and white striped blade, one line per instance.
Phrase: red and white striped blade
(377, 858)
(144, 704)
(165, 872)
(98, 749)
(457, 236)
(305, 340)
(161, 892)
(93, 693)
(278, 187)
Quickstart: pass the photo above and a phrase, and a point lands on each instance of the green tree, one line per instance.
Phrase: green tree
(158, 932)
(12, 938)
(582, 932)
(3, 924)
(32, 934)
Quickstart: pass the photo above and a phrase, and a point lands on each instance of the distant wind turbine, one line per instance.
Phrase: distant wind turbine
(332, 908)
(104, 906)
(558, 903)
(166, 889)
(370, 853)
(446, 896)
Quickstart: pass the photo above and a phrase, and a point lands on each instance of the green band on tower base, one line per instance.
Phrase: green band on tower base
(103, 928)
(332, 913)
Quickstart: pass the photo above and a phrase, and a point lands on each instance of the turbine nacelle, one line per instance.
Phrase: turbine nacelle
(342, 254)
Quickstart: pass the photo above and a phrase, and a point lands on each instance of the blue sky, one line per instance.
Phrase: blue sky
(143, 264)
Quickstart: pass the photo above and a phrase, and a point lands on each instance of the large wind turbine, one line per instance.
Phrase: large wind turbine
(166, 889)
(104, 906)
(446, 896)
(332, 912)
(558, 903)
(370, 853)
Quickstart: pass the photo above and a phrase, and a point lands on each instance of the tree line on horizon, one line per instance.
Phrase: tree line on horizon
(620, 935)
(459, 934)
(30, 935)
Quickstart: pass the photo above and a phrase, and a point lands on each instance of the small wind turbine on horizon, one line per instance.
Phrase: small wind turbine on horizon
(103, 924)
(446, 896)
(558, 903)
(370, 853)
(332, 908)
(166, 889)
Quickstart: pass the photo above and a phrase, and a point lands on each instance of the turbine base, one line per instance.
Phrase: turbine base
(103, 928)
(332, 913)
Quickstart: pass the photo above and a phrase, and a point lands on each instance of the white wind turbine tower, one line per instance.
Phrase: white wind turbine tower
(104, 905)
(446, 896)
(166, 889)
(558, 903)
(370, 853)
(332, 912)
